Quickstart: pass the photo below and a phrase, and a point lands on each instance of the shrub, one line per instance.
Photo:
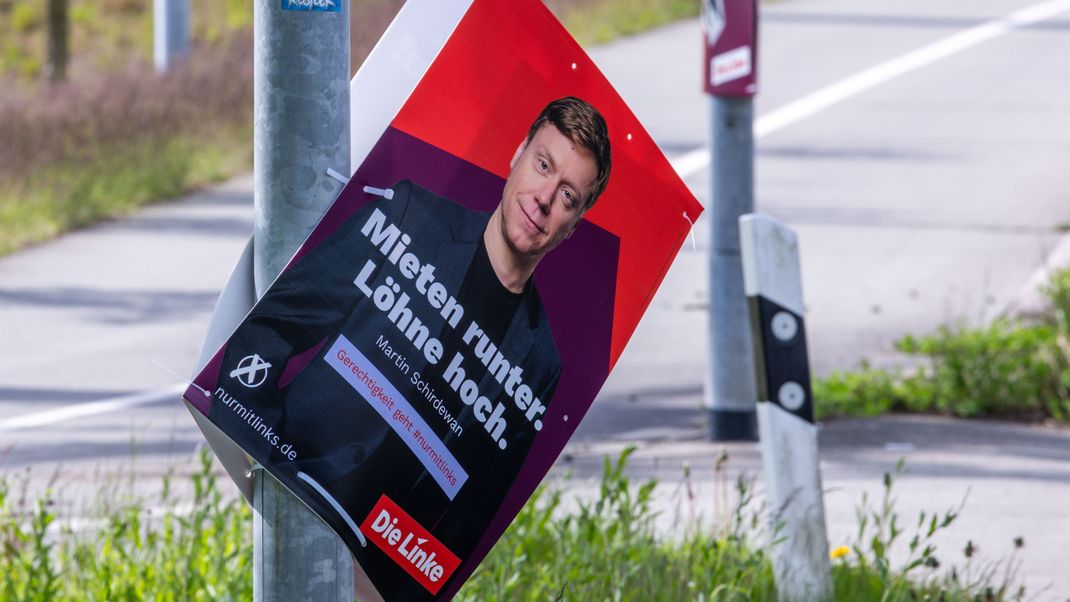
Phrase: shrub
(1008, 368)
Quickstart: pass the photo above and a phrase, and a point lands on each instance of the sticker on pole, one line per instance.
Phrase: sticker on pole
(333, 6)
(730, 29)
(422, 360)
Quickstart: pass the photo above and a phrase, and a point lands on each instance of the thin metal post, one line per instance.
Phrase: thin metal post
(170, 30)
(301, 129)
(58, 40)
(730, 391)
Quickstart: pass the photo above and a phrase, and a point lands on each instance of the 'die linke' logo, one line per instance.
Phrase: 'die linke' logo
(419, 276)
(409, 549)
(252, 371)
(410, 545)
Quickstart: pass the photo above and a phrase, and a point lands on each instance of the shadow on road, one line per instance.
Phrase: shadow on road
(131, 306)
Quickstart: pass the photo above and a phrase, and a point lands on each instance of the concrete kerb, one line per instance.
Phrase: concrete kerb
(1031, 302)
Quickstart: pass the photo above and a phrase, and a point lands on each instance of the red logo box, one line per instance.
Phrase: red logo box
(408, 544)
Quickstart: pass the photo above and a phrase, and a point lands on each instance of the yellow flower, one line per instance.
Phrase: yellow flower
(839, 552)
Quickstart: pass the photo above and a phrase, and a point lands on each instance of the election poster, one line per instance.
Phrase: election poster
(424, 357)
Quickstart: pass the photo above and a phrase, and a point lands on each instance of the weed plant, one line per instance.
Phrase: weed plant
(865, 569)
(1010, 368)
(606, 549)
(134, 553)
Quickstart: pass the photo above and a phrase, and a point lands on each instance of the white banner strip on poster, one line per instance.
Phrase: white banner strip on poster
(401, 58)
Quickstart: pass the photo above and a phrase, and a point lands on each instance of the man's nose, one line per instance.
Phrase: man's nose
(545, 196)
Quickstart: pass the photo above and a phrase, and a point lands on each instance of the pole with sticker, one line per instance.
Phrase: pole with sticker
(301, 136)
(731, 37)
(788, 436)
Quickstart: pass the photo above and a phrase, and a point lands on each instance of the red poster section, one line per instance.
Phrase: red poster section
(504, 62)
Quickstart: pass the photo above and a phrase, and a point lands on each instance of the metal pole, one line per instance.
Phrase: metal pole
(730, 392)
(301, 129)
(170, 28)
(58, 37)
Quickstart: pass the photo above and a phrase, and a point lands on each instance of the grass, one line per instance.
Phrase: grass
(601, 21)
(1011, 368)
(105, 34)
(99, 147)
(606, 549)
(81, 194)
(132, 553)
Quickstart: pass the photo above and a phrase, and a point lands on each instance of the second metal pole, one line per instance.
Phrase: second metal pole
(170, 31)
(301, 128)
(730, 393)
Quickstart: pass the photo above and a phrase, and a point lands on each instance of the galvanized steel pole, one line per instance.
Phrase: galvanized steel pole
(731, 394)
(301, 129)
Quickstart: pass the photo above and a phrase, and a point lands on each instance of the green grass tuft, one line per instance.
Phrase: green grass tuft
(1010, 368)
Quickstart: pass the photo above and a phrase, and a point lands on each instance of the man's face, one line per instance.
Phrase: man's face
(550, 180)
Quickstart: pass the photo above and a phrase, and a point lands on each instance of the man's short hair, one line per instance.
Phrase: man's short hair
(578, 120)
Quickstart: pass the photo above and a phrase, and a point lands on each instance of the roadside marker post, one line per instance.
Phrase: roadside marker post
(730, 29)
(788, 435)
(301, 130)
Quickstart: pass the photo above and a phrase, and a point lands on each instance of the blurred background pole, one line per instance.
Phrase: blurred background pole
(170, 32)
(730, 28)
(731, 392)
(58, 40)
(301, 129)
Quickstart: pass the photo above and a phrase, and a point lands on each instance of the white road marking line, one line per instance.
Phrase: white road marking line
(92, 408)
(697, 160)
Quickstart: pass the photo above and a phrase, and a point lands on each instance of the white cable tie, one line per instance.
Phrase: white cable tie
(255, 467)
(334, 504)
(386, 193)
(337, 176)
(691, 231)
(182, 378)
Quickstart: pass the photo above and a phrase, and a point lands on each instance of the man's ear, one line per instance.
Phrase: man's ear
(516, 155)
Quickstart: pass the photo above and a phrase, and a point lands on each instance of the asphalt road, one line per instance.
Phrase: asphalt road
(930, 195)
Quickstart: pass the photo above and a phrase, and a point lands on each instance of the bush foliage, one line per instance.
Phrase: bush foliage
(1010, 368)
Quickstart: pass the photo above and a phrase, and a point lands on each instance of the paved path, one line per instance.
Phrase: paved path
(930, 197)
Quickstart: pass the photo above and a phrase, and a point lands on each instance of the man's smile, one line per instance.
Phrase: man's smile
(533, 223)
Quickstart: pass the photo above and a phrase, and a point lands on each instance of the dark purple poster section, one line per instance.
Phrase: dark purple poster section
(315, 383)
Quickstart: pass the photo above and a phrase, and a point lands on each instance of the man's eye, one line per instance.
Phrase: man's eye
(543, 165)
(570, 199)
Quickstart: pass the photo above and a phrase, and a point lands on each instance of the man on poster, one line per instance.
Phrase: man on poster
(503, 343)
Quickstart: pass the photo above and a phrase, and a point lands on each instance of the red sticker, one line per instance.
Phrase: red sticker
(408, 544)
